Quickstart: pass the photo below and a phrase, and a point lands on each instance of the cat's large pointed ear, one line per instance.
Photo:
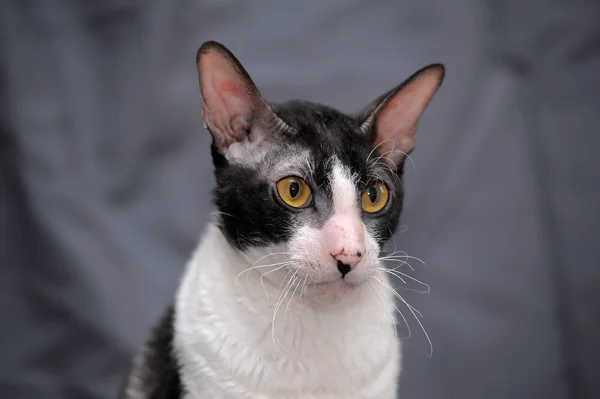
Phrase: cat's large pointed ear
(392, 118)
(232, 107)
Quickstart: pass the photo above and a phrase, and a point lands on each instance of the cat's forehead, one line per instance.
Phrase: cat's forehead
(320, 135)
(317, 158)
(318, 124)
(287, 160)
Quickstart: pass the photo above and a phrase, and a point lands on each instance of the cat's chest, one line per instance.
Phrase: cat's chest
(300, 359)
(301, 354)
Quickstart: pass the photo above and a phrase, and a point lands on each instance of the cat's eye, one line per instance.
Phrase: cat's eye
(294, 191)
(375, 197)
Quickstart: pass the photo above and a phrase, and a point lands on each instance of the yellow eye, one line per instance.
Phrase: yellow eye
(375, 197)
(294, 191)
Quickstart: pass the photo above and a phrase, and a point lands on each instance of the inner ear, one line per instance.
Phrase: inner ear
(232, 107)
(392, 118)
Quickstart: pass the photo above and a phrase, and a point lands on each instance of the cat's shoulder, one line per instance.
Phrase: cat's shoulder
(155, 371)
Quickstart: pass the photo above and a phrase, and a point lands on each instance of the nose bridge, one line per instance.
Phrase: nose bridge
(344, 232)
(344, 236)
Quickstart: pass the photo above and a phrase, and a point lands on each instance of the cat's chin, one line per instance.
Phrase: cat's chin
(333, 290)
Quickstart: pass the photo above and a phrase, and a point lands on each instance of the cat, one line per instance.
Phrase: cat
(286, 296)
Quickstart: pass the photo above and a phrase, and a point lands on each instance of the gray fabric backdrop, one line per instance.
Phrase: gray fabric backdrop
(105, 177)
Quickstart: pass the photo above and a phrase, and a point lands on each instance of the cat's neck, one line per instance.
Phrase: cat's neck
(223, 320)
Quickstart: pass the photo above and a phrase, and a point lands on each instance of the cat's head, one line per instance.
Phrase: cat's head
(312, 191)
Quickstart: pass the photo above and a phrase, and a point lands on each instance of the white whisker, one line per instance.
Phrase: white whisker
(403, 153)
(304, 286)
(385, 308)
(262, 276)
(262, 266)
(401, 315)
(374, 148)
(398, 257)
(411, 309)
(287, 309)
(278, 304)
(399, 275)
(402, 263)
(383, 269)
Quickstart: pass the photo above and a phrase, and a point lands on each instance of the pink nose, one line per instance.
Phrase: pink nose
(347, 262)
(342, 237)
(349, 259)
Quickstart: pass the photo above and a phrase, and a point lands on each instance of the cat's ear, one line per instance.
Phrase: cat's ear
(392, 118)
(232, 107)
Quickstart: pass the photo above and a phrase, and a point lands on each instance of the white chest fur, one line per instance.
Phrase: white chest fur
(231, 345)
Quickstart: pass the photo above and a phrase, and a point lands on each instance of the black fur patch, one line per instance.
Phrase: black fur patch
(156, 375)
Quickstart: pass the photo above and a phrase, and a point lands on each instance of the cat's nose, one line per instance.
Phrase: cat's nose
(346, 262)
(342, 237)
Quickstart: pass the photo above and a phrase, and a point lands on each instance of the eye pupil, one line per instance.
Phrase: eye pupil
(372, 193)
(294, 188)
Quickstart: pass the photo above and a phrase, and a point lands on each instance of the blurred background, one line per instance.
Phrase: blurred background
(105, 177)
